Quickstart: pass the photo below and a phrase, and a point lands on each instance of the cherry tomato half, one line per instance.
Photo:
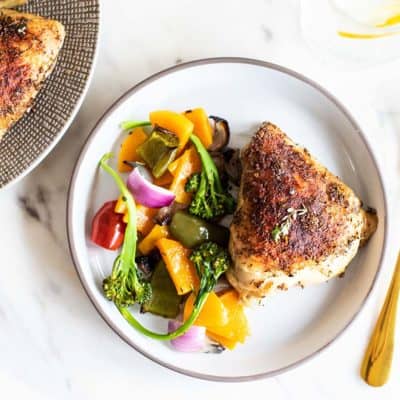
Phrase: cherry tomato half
(108, 227)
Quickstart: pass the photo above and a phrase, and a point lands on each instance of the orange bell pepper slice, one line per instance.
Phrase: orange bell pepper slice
(144, 215)
(175, 123)
(179, 266)
(129, 147)
(202, 126)
(184, 167)
(164, 180)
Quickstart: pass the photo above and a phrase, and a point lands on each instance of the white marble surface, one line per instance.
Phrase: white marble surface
(53, 345)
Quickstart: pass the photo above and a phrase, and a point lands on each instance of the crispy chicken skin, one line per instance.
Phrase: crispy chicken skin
(29, 46)
(324, 233)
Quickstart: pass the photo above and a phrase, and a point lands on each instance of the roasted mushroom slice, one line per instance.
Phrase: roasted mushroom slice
(232, 165)
(228, 164)
(219, 161)
(146, 264)
(165, 214)
(221, 133)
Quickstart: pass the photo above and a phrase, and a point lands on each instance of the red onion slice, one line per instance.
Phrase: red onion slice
(145, 192)
(192, 340)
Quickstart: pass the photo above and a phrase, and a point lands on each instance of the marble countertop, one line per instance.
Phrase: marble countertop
(52, 342)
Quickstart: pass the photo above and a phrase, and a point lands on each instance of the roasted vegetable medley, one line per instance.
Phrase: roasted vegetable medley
(167, 228)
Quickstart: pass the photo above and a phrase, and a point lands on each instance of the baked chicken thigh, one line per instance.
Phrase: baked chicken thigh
(296, 223)
(29, 46)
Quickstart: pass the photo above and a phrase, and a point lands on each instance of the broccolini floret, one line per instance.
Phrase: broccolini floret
(210, 199)
(211, 261)
(124, 286)
(193, 183)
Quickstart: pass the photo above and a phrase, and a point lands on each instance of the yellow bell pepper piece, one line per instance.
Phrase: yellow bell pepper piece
(228, 343)
(174, 165)
(120, 207)
(149, 242)
(213, 314)
(236, 329)
(179, 266)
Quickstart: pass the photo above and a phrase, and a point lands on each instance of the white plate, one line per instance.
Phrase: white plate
(292, 326)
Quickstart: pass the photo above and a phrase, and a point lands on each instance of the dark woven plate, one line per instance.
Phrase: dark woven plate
(30, 139)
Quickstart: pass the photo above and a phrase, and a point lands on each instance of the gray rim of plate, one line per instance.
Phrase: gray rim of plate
(92, 136)
(32, 138)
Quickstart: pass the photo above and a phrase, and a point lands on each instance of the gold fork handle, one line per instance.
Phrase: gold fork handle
(377, 361)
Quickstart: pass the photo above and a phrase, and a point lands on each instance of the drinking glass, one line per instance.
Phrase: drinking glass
(360, 33)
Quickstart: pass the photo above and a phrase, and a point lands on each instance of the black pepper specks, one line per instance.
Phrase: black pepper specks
(11, 28)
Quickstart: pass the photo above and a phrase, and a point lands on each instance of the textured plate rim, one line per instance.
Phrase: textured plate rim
(91, 137)
(43, 154)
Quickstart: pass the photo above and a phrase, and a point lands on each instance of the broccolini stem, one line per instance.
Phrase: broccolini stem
(208, 163)
(127, 125)
(166, 336)
(128, 251)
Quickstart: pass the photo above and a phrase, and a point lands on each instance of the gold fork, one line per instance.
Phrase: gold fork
(377, 361)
